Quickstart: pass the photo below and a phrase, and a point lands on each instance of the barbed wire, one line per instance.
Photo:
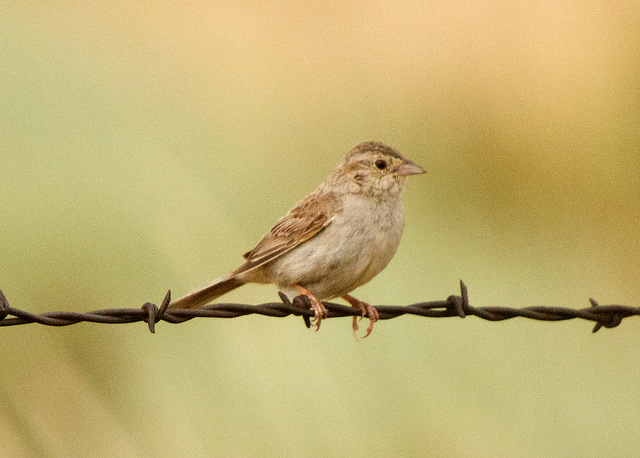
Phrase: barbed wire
(608, 316)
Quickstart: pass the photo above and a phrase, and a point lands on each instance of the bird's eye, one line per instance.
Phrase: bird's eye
(381, 164)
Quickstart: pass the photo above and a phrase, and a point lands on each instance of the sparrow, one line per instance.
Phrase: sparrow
(334, 240)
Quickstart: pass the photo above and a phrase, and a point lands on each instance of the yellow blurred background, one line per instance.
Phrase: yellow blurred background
(146, 145)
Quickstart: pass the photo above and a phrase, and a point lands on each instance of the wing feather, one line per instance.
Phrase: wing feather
(307, 219)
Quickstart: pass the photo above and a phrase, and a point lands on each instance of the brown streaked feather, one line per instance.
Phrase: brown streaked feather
(309, 217)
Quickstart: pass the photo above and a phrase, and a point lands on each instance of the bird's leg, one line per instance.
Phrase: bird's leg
(320, 311)
(366, 309)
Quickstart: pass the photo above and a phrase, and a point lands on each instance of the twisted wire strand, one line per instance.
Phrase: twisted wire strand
(608, 316)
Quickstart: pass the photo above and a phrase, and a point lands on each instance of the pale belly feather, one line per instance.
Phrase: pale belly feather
(352, 250)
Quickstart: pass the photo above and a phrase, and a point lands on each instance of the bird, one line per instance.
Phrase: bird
(336, 239)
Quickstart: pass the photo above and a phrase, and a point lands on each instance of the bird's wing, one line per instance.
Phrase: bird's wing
(308, 218)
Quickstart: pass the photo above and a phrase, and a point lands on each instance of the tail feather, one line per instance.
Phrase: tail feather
(205, 295)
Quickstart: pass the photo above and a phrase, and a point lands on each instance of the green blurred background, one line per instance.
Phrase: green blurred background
(146, 145)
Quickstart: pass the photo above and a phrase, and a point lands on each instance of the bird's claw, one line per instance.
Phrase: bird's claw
(319, 310)
(365, 310)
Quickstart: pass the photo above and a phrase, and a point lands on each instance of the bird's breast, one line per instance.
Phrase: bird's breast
(348, 253)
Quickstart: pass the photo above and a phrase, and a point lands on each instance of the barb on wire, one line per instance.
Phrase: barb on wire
(608, 316)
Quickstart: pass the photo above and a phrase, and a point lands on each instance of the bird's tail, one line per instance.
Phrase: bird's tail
(208, 293)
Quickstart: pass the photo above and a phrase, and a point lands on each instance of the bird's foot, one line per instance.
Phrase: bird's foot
(366, 310)
(319, 310)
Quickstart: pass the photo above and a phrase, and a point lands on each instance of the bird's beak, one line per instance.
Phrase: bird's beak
(410, 168)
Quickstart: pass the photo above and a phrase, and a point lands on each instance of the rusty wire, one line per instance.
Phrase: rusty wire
(608, 316)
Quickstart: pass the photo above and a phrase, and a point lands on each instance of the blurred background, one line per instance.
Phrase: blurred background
(146, 145)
